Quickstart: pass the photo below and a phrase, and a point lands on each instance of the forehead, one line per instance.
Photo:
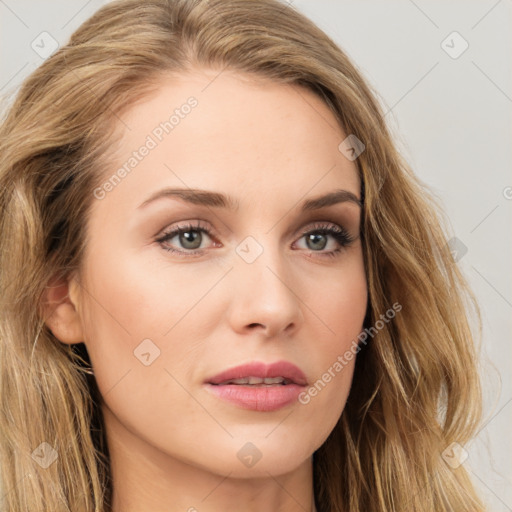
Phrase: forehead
(230, 131)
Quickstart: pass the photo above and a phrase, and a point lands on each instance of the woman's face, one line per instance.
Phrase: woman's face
(263, 272)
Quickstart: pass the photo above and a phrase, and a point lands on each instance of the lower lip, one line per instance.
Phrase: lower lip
(257, 398)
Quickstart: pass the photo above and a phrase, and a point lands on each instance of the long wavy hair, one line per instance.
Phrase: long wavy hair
(415, 389)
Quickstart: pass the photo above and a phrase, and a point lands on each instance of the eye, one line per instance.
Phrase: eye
(317, 239)
(190, 237)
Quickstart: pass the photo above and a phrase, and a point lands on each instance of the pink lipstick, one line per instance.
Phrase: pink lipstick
(258, 386)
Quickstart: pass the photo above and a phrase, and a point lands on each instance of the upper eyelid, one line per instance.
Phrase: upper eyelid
(185, 225)
(195, 225)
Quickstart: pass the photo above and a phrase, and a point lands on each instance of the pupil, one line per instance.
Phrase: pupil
(315, 238)
(190, 239)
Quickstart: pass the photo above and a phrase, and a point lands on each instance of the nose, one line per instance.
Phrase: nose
(263, 297)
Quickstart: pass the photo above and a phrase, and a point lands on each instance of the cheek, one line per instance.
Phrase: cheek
(135, 312)
(339, 306)
(339, 298)
(140, 325)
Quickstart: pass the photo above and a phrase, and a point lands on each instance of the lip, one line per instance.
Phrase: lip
(259, 398)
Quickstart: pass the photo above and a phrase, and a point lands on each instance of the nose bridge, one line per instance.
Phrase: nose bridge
(262, 256)
(263, 289)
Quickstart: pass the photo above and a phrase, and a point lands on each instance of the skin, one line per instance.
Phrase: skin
(173, 444)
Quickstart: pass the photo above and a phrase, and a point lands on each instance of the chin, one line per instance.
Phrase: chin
(258, 456)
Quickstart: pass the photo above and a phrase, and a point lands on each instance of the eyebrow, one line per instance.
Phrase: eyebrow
(218, 200)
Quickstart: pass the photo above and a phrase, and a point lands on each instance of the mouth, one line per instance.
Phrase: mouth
(258, 386)
(256, 381)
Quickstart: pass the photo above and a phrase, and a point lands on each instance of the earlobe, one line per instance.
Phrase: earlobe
(60, 310)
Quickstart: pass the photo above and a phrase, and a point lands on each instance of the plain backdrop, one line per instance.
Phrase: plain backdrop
(442, 71)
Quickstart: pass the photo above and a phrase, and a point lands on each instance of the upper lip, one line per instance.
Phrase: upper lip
(283, 369)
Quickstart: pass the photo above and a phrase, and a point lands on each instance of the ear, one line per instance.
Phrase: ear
(60, 310)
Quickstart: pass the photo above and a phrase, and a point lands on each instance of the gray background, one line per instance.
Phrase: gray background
(452, 120)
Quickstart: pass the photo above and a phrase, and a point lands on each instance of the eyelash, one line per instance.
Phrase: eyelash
(337, 232)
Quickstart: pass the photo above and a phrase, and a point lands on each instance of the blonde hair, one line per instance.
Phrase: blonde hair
(415, 388)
